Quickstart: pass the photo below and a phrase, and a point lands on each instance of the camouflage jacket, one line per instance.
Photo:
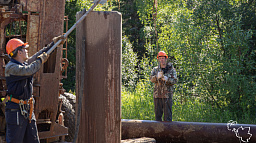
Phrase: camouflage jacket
(164, 89)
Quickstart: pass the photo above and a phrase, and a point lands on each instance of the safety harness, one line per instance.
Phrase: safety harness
(26, 107)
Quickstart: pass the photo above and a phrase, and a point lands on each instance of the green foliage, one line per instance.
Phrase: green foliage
(129, 63)
(145, 68)
(213, 47)
(213, 44)
(72, 92)
(132, 27)
(16, 28)
(71, 8)
(139, 104)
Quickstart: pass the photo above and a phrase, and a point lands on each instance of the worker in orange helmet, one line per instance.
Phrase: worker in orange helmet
(20, 119)
(164, 76)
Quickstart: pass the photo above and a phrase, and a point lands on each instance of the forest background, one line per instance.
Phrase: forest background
(212, 45)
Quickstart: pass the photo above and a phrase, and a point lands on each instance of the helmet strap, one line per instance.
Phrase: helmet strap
(11, 54)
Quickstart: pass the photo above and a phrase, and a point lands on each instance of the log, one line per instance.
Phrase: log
(189, 132)
(139, 140)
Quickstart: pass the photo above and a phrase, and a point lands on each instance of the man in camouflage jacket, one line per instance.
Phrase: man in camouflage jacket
(164, 76)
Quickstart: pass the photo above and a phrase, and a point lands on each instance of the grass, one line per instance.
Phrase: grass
(138, 104)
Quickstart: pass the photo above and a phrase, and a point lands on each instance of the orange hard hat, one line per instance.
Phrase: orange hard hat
(162, 54)
(13, 44)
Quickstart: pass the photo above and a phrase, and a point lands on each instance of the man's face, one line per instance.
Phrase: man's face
(162, 61)
(24, 54)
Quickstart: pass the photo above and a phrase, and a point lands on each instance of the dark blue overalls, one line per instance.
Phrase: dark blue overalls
(19, 129)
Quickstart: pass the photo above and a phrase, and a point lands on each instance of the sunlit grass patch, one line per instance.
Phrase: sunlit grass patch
(139, 104)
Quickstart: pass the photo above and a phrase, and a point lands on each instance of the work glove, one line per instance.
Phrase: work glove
(44, 56)
(45, 49)
(61, 37)
(160, 75)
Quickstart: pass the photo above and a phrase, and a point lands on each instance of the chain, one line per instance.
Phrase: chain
(24, 108)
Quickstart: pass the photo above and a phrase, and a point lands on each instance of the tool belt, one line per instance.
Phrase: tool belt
(23, 106)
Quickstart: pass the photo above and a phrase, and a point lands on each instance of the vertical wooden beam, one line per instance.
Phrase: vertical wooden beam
(98, 41)
(32, 33)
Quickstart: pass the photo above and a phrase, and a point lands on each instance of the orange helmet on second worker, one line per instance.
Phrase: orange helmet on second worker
(13, 44)
(162, 54)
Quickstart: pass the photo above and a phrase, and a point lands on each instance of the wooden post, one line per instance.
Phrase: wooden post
(98, 77)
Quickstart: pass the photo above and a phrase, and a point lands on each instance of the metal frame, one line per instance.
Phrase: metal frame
(45, 20)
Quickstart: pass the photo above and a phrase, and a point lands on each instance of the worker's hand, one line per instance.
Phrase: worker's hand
(160, 75)
(44, 56)
(61, 37)
(165, 78)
